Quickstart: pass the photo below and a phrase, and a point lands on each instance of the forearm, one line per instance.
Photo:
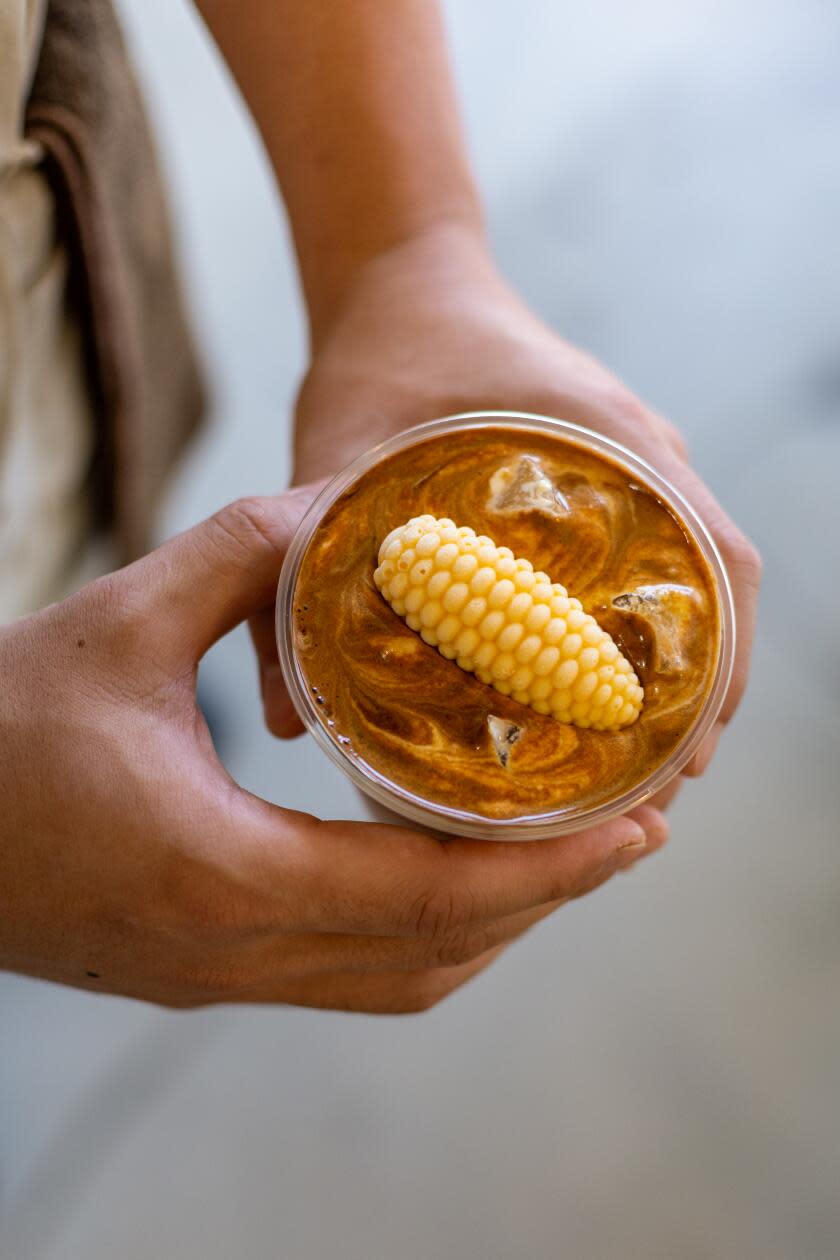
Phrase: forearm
(355, 103)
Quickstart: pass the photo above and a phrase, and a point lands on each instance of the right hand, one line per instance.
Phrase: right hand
(130, 861)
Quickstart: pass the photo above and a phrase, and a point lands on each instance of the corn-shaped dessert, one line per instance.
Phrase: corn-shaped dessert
(513, 628)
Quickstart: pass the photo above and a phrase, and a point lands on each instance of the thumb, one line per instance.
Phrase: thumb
(205, 581)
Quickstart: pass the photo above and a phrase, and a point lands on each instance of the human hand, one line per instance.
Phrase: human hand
(430, 329)
(131, 863)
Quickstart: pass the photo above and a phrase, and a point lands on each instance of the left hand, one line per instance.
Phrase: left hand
(430, 329)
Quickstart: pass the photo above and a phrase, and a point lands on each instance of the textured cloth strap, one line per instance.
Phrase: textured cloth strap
(85, 110)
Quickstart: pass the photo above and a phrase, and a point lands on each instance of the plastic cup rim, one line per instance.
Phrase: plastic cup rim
(443, 818)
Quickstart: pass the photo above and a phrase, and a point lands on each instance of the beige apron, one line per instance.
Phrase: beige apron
(46, 423)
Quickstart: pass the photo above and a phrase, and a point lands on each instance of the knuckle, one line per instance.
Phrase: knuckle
(621, 404)
(618, 400)
(441, 913)
(678, 441)
(462, 945)
(248, 523)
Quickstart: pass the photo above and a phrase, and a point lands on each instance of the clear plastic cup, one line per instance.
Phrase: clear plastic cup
(399, 800)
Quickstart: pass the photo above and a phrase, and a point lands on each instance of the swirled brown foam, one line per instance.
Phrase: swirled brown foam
(396, 705)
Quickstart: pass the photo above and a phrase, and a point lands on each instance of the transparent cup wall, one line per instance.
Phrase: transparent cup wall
(392, 795)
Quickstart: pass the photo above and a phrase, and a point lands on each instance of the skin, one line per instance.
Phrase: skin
(130, 862)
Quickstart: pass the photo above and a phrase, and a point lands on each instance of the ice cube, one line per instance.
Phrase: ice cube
(669, 613)
(503, 735)
(525, 486)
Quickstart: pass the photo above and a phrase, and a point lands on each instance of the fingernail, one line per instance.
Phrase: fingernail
(626, 854)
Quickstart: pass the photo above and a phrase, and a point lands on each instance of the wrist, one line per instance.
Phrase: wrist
(425, 254)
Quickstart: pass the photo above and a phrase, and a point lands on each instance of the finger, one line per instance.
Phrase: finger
(208, 579)
(430, 888)
(661, 800)
(334, 952)
(321, 953)
(646, 433)
(665, 451)
(397, 993)
(701, 760)
(280, 714)
(375, 993)
(374, 879)
(743, 564)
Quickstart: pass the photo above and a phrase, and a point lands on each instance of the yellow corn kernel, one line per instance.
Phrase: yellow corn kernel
(515, 629)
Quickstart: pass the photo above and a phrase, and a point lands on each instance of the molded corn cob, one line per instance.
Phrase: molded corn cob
(513, 628)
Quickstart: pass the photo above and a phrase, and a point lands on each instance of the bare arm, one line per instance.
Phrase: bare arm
(355, 103)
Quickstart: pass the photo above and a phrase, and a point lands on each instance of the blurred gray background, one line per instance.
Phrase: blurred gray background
(656, 1072)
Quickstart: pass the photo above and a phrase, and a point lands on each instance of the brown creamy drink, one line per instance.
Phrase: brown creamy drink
(395, 704)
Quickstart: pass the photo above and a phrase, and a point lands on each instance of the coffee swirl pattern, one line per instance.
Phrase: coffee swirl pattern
(397, 706)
